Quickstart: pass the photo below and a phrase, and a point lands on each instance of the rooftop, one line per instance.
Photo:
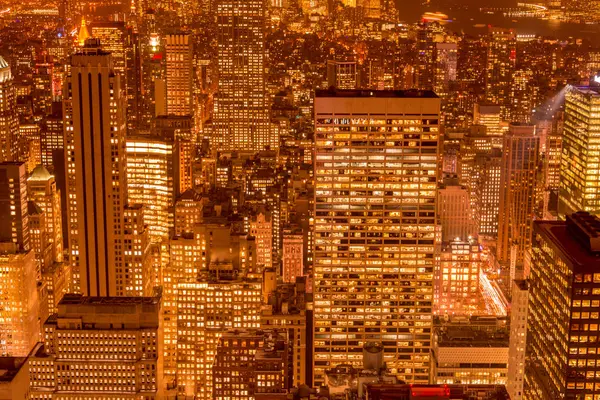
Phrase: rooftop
(79, 299)
(40, 173)
(436, 392)
(413, 93)
(573, 242)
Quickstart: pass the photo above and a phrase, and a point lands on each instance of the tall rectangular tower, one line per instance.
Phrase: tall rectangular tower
(579, 188)
(179, 74)
(121, 42)
(9, 119)
(14, 220)
(376, 173)
(94, 109)
(517, 193)
(241, 113)
(501, 58)
(562, 321)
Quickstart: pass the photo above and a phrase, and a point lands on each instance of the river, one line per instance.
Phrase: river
(465, 14)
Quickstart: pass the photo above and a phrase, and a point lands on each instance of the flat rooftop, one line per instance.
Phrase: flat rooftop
(405, 94)
(82, 300)
(436, 392)
(589, 90)
(467, 336)
(571, 250)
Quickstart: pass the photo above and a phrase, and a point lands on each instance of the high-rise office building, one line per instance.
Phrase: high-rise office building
(178, 129)
(501, 59)
(292, 259)
(188, 212)
(205, 311)
(41, 189)
(457, 286)
(136, 276)
(446, 60)
(43, 85)
(122, 43)
(425, 66)
(9, 120)
(95, 162)
(179, 70)
(150, 181)
(241, 112)
(517, 339)
(38, 236)
(100, 348)
(522, 96)
(487, 167)
(342, 74)
(286, 309)
(52, 135)
(563, 306)
(261, 227)
(518, 181)
(490, 116)
(14, 221)
(362, 256)
(454, 210)
(579, 189)
(19, 314)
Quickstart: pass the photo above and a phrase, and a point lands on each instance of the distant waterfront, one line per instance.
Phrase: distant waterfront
(465, 15)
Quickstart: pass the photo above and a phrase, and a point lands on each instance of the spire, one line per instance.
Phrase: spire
(83, 32)
(5, 73)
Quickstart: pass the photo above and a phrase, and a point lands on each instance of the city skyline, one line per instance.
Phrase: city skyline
(299, 199)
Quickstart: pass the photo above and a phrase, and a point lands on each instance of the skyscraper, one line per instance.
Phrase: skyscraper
(179, 89)
(43, 82)
(457, 287)
(446, 59)
(150, 180)
(522, 96)
(501, 58)
(487, 169)
(578, 173)
(41, 188)
(121, 42)
(562, 357)
(375, 217)
(518, 339)
(14, 221)
(241, 112)
(425, 71)
(454, 210)
(342, 74)
(9, 121)
(52, 136)
(95, 161)
(517, 193)
(19, 314)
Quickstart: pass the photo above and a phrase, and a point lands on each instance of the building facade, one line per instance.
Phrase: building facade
(94, 107)
(376, 172)
(579, 189)
(564, 296)
(241, 113)
(99, 348)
